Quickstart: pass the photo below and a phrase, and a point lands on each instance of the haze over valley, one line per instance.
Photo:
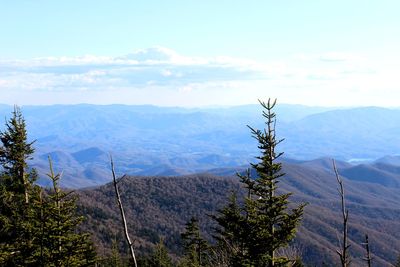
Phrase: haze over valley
(150, 140)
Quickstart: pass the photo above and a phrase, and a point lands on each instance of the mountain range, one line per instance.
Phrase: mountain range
(182, 162)
(150, 140)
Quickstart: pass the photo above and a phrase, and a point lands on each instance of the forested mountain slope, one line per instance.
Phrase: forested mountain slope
(160, 206)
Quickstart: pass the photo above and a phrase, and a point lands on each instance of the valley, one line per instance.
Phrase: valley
(150, 140)
(176, 163)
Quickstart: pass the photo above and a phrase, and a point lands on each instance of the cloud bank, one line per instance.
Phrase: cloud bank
(161, 76)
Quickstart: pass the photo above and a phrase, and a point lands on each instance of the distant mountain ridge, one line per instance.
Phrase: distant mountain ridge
(150, 140)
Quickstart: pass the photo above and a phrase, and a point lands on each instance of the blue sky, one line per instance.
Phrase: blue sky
(199, 53)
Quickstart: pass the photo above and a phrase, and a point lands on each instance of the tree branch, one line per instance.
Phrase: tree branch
(343, 252)
(121, 209)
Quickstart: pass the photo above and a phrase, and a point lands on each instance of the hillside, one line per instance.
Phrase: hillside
(161, 205)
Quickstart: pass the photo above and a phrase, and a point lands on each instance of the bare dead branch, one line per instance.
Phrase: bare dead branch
(121, 209)
(367, 257)
(343, 246)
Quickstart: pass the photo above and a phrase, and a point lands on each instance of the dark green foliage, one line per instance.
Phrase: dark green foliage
(195, 247)
(116, 259)
(231, 235)
(15, 152)
(159, 257)
(272, 227)
(62, 244)
(253, 232)
(36, 229)
(115, 255)
(17, 194)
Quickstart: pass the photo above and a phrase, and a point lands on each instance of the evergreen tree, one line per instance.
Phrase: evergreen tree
(115, 255)
(63, 245)
(231, 235)
(264, 222)
(160, 257)
(195, 247)
(14, 154)
(17, 193)
(36, 229)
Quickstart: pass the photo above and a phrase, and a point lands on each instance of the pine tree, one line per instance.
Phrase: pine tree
(63, 245)
(160, 257)
(14, 154)
(264, 222)
(36, 228)
(230, 235)
(195, 247)
(115, 255)
(17, 193)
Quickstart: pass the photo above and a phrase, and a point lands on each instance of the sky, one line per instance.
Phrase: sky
(200, 53)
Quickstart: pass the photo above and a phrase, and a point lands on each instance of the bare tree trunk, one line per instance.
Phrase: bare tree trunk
(26, 192)
(367, 258)
(343, 252)
(23, 177)
(121, 209)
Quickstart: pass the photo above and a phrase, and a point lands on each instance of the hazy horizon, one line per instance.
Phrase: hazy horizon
(205, 106)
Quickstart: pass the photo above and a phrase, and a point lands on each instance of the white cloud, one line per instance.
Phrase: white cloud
(153, 65)
(162, 76)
